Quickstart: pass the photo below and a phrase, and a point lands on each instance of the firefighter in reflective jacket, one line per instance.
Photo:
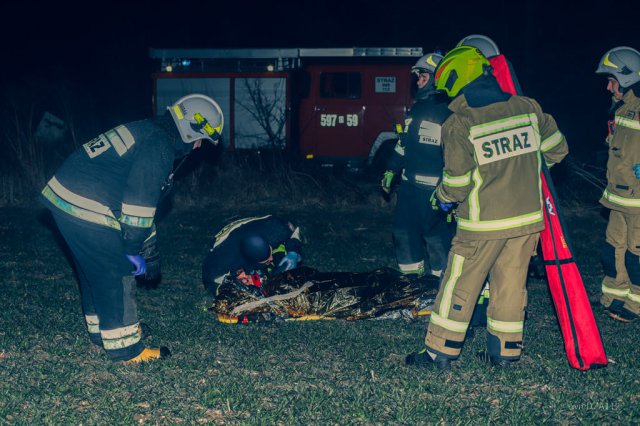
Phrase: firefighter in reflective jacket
(493, 147)
(418, 155)
(248, 248)
(103, 199)
(621, 253)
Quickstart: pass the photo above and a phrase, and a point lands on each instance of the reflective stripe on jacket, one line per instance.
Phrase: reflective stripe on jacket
(492, 165)
(623, 188)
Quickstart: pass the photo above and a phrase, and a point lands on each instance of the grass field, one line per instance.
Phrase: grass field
(324, 372)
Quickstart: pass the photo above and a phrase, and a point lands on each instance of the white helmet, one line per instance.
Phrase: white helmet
(427, 64)
(487, 47)
(197, 117)
(623, 64)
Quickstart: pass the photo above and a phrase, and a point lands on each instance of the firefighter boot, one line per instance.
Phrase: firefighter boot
(495, 361)
(423, 358)
(150, 354)
(618, 312)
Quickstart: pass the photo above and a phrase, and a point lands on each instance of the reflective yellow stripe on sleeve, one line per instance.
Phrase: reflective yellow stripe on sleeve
(121, 139)
(456, 181)
(628, 122)
(139, 216)
(552, 141)
(622, 201)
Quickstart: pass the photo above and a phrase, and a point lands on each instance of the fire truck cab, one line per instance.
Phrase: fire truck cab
(332, 106)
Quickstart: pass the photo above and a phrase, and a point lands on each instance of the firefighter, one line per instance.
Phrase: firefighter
(493, 143)
(621, 253)
(103, 199)
(249, 248)
(418, 157)
(503, 71)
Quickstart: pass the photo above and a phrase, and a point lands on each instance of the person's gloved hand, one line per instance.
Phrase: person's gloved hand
(139, 263)
(436, 204)
(290, 261)
(445, 207)
(636, 170)
(385, 183)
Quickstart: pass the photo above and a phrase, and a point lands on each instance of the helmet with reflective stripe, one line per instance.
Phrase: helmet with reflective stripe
(427, 64)
(197, 117)
(458, 68)
(486, 46)
(622, 63)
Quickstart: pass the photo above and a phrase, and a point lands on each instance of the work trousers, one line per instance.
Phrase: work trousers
(468, 265)
(621, 261)
(106, 285)
(418, 228)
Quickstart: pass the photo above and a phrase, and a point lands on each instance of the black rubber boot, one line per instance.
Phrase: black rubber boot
(618, 312)
(494, 360)
(422, 359)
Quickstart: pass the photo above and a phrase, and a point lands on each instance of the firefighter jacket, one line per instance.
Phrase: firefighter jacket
(115, 180)
(623, 188)
(493, 145)
(225, 257)
(418, 153)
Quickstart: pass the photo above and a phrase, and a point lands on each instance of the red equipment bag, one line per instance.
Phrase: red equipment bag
(579, 330)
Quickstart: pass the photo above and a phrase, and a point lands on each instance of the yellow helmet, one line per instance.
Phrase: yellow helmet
(458, 68)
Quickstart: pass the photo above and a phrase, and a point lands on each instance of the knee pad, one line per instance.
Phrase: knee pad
(632, 263)
(608, 253)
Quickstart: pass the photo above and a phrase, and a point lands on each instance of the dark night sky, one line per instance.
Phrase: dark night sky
(103, 52)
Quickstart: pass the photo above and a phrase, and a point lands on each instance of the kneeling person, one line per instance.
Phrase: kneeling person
(250, 245)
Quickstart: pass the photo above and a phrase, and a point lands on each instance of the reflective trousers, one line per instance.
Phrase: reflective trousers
(106, 285)
(416, 228)
(621, 261)
(469, 263)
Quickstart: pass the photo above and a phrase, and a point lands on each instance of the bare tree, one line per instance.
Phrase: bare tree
(268, 109)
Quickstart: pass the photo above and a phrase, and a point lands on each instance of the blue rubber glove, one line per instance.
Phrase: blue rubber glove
(436, 204)
(445, 207)
(636, 170)
(290, 261)
(139, 263)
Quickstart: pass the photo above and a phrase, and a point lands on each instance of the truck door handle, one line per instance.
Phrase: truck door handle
(317, 108)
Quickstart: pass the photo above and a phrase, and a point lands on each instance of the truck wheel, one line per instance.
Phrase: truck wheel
(381, 159)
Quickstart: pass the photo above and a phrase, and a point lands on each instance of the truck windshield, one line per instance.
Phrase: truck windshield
(340, 85)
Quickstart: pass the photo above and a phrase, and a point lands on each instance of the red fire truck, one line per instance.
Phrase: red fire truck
(333, 106)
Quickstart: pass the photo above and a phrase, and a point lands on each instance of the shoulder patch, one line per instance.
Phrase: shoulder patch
(429, 133)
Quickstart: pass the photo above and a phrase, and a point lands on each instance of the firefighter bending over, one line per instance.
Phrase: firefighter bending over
(249, 248)
(418, 155)
(621, 253)
(103, 199)
(493, 147)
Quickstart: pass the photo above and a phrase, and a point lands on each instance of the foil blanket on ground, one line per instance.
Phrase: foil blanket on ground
(307, 294)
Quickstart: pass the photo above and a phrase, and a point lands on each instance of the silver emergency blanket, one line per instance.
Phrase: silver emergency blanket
(307, 294)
